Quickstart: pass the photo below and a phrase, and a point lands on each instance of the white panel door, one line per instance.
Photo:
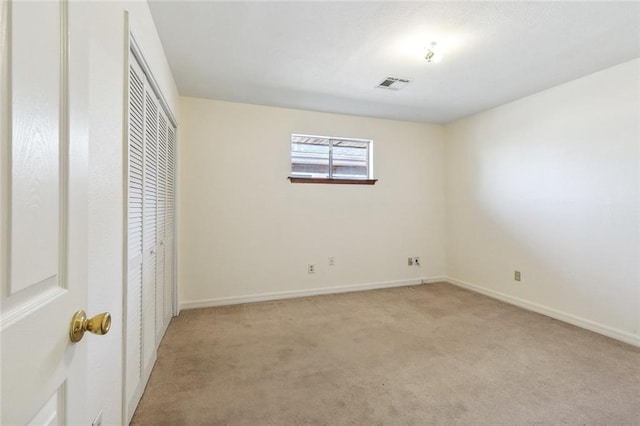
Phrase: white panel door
(43, 211)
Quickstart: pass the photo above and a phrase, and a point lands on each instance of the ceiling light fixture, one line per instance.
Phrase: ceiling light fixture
(433, 53)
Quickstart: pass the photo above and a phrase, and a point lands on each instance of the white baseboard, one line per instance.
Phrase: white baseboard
(614, 333)
(223, 301)
(624, 336)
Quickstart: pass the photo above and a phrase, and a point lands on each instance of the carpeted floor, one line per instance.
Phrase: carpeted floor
(426, 355)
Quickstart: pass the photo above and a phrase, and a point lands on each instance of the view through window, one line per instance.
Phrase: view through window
(330, 158)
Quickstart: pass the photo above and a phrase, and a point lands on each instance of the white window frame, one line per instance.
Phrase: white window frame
(331, 140)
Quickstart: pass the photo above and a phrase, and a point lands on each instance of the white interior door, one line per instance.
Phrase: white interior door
(43, 248)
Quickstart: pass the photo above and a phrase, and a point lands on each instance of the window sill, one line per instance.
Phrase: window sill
(333, 181)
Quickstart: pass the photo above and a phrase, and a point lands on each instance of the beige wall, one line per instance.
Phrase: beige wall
(106, 196)
(245, 230)
(549, 185)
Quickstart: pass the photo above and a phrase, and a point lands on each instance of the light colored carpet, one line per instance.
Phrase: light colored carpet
(426, 355)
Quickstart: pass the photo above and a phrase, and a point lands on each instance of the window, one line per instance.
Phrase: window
(322, 159)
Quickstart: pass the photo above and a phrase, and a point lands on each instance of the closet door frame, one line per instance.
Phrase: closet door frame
(133, 50)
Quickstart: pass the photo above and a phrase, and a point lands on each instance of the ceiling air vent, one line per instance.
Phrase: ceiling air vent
(393, 83)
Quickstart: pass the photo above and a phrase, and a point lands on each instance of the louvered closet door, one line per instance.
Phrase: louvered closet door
(135, 227)
(150, 229)
(161, 224)
(170, 224)
(151, 252)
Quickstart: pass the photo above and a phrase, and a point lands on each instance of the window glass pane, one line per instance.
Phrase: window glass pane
(350, 160)
(326, 157)
(310, 157)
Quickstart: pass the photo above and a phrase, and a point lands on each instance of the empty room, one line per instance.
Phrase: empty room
(328, 213)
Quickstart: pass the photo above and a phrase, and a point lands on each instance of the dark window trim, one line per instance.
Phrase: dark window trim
(333, 181)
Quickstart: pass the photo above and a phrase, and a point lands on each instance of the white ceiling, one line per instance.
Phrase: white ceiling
(329, 56)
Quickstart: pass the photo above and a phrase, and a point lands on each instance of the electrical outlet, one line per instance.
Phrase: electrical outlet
(311, 269)
(332, 261)
(410, 261)
(517, 276)
(416, 261)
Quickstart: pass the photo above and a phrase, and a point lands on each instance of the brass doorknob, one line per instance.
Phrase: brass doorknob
(100, 324)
